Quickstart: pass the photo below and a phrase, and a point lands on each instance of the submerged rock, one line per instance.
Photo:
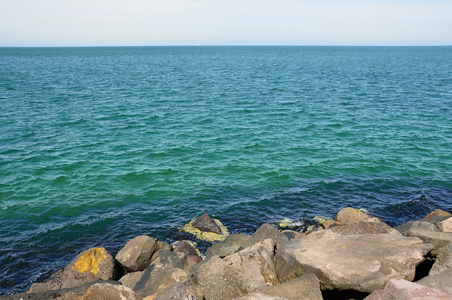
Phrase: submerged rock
(206, 235)
(90, 265)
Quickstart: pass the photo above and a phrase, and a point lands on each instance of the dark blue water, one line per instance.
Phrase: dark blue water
(98, 145)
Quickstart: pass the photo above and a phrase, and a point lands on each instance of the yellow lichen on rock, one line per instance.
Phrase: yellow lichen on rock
(285, 223)
(90, 261)
(207, 236)
(322, 220)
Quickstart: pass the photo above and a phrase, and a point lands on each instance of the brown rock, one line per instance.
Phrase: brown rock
(405, 290)
(440, 281)
(131, 279)
(189, 249)
(230, 245)
(110, 292)
(443, 260)
(267, 231)
(305, 287)
(90, 265)
(187, 290)
(350, 215)
(437, 239)
(437, 213)
(364, 228)
(259, 296)
(206, 223)
(137, 253)
(256, 262)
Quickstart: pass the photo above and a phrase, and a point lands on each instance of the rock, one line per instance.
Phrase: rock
(292, 234)
(206, 223)
(267, 231)
(437, 239)
(169, 268)
(187, 290)
(90, 265)
(131, 279)
(364, 228)
(259, 296)
(437, 214)
(137, 253)
(230, 245)
(446, 225)
(110, 292)
(405, 290)
(305, 287)
(443, 260)
(162, 246)
(219, 280)
(350, 215)
(441, 281)
(362, 262)
(424, 225)
(189, 249)
(256, 262)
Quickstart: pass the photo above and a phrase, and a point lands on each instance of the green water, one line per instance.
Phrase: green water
(98, 145)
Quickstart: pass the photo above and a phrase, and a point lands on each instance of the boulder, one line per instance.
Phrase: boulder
(362, 262)
(441, 281)
(90, 265)
(404, 290)
(364, 227)
(424, 225)
(292, 234)
(137, 253)
(437, 239)
(219, 280)
(131, 279)
(443, 260)
(436, 216)
(206, 223)
(446, 225)
(256, 262)
(259, 296)
(230, 245)
(305, 287)
(110, 292)
(350, 215)
(187, 290)
(267, 231)
(162, 246)
(189, 249)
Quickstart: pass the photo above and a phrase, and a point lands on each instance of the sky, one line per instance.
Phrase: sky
(224, 22)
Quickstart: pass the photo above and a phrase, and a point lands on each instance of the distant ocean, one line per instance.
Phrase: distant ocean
(98, 145)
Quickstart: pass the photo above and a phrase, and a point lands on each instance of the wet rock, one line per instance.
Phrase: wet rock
(443, 260)
(206, 223)
(131, 279)
(110, 292)
(219, 280)
(256, 262)
(267, 231)
(441, 281)
(90, 265)
(137, 253)
(446, 225)
(350, 215)
(363, 262)
(259, 296)
(305, 287)
(230, 245)
(405, 290)
(437, 239)
(189, 249)
(187, 290)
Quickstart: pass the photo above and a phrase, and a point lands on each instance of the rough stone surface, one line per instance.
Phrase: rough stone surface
(259, 296)
(292, 234)
(206, 223)
(305, 287)
(137, 253)
(441, 281)
(131, 279)
(230, 245)
(267, 231)
(90, 265)
(219, 280)
(187, 290)
(446, 225)
(443, 260)
(437, 239)
(364, 228)
(110, 292)
(424, 225)
(405, 290)
(362, 262)
(437, 213)
(350, 215)
(189, 250)
(256, 262)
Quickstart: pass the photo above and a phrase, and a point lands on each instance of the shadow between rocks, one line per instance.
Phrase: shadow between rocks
(343, 295)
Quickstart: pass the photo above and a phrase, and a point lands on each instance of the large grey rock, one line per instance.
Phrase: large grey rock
(267, 231)
(131, 279)
(206, 223)
(256, 261)
(437, 239)
(362, 262)
(110, 292)
(399, 289)
(219, 280)
(424, 225)
(187, 290)
(230, 245)
(305, 287)
(441, 281)
(446, 225)
(443, 260)
(259, 296)
(90, 265)
(137, 253)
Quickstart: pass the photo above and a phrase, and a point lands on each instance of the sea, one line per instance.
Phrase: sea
(101, 144)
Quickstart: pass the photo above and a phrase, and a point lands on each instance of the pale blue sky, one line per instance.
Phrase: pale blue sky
(225, 22)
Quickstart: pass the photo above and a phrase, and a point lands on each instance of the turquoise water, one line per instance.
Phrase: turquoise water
(98, 145)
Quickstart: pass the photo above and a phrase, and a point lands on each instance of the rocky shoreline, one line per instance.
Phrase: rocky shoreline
(353, 256)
